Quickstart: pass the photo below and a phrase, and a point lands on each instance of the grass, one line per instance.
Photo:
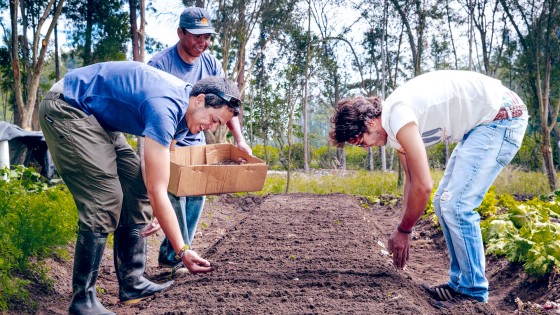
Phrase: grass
(375, 183)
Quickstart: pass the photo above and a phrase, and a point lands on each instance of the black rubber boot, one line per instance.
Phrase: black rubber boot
(89, 250)
(130, 264)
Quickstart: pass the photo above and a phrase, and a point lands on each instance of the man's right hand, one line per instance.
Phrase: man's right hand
(195, 263)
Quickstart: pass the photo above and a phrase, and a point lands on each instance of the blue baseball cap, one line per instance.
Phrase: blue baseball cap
(196, 21)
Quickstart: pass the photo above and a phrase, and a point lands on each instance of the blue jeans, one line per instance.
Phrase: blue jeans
(188, 211)
(474, 165)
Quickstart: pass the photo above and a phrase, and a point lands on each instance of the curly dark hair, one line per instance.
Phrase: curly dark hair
(212, 86)
(350, 117)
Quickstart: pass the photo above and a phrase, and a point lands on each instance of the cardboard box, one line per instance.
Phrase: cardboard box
(195, 172)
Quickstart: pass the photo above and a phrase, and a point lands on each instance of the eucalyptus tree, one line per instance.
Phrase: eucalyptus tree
(332, 37)
(28, 50)
(99, 30)
(264, 106)
(137, 29)
(238, 22)
(6, 84)
(414, 15)
(374, 43)
(487, 17)
(536, 24)
(293, 79)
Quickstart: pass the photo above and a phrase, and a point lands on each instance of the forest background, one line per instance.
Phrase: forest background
(295, 59)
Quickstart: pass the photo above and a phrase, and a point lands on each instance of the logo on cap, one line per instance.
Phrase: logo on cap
(202, 22)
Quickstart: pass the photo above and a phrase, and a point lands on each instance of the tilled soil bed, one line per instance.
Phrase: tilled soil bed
(303, 254)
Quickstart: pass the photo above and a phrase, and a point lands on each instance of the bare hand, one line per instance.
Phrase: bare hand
(245, 148)
(399, 245)
(151, 228)
(195, 263)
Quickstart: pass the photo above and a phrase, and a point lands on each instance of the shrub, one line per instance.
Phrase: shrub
(271, 156)
(296, 156)
(133, 141)
(356, 157)
(525, 234)
(35, 222)
(324, 158)
(488, 206)
(436, 154)
(526, 156)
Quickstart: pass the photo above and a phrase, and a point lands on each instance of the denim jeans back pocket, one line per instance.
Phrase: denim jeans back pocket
(513, 138)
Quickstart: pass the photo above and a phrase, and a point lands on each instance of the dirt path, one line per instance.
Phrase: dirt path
(297, 254)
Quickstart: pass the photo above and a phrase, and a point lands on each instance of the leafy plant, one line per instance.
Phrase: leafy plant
(36, 220)
(525, 234)
(488, 206)
(429, 213)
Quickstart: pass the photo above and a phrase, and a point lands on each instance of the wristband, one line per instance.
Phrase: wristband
(401, 230)
(182, 252)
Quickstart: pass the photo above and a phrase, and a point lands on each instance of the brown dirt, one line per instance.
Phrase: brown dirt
(303, 254)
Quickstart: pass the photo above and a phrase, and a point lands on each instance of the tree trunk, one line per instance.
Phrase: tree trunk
(290, 131)
(132, 4)
(546, 149)
(34, 61)
(307, 55)
(56, 53)
(138, 45)
(341, 156)
(382, 150)
(87, 54)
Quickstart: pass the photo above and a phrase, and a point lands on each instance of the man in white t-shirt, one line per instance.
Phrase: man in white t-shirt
(486, 119)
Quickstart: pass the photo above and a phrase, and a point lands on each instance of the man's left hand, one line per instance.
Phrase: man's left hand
(399, 245)
(245, 148)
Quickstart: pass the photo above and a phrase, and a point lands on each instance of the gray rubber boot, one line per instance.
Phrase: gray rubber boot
(130, 264)
(89, 250)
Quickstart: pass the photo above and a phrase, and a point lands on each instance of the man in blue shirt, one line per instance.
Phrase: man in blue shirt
(82, 119)
(189, 61)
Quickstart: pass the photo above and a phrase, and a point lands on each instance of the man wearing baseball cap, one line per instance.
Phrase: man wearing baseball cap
(196, 21)
(189, 61)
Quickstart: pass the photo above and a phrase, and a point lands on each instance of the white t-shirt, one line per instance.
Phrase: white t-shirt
(443, 104)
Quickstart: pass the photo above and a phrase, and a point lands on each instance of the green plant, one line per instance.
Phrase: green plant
(133, 141)
(36, 220)
(324, 157)
(525, 234)
(12, 290)
(296, 156)
(271, 156)
(429, 213)
(488, 206)
(356, 157)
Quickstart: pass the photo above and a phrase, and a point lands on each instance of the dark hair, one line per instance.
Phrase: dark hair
(351, 116)
(218, 92)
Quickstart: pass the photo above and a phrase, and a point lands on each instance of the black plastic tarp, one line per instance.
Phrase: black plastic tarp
(27, 148)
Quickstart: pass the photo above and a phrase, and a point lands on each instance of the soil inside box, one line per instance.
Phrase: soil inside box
(226, 162)
(303, 254)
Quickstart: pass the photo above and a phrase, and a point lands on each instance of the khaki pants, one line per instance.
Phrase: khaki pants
(100, 168)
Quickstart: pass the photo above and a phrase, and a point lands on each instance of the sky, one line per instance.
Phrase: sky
(161, 25)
